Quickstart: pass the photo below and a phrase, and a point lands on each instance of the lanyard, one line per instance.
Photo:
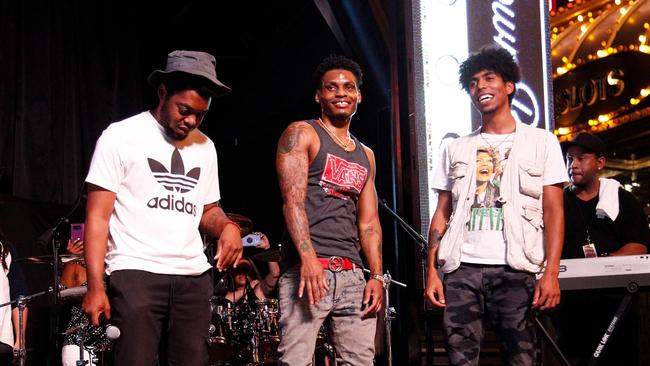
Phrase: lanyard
(582, 217)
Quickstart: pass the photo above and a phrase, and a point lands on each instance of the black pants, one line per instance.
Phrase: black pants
(164, 317)
(6, 354)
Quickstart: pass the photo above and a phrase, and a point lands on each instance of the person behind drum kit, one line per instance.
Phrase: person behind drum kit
(93, 337)
(152, 185)
(248, 281)
(601, 219)
(330, 208)
(12, 285)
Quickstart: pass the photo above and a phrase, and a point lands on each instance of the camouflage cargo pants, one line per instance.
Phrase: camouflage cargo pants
(501, 295)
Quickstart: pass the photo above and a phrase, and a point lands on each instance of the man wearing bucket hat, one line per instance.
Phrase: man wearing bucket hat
(152, 185)
(601, 219)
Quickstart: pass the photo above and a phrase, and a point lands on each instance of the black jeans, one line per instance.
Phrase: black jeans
(164, 317)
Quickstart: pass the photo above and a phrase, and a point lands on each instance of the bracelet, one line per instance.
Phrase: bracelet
(231, 223)
(378, 277)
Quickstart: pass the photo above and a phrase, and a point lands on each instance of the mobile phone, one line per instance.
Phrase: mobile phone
(76, 231)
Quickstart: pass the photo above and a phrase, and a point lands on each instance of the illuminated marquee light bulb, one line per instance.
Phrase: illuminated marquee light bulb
(642, 39)
(603, 118)
(611, 80)
(563, 130)
(644, 92)
(634, 101)
(601, 53)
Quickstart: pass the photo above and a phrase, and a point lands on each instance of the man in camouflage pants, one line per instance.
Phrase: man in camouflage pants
(499, 220)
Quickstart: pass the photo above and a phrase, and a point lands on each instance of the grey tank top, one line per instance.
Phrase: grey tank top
(336, 178)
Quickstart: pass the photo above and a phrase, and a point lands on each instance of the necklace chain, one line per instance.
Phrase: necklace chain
(343, 145)
(497, 145)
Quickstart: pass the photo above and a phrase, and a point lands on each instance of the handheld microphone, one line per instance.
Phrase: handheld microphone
(112, 332)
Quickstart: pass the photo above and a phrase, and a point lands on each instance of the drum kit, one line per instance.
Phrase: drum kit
(244, 334)
(248, 333)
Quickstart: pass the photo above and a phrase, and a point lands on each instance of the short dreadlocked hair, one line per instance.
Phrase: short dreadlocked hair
(334, 62)
(492, 58)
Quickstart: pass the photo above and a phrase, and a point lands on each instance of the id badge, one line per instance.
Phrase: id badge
(589, 250)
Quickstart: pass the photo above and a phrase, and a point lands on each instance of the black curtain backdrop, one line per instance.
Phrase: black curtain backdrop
(68, 69)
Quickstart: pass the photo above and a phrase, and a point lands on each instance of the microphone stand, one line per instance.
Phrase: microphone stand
(413, 234)
(21, 302)
(52, 235)
(388, 311)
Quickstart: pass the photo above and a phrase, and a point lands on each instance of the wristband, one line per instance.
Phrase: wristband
(231, 223)
(377, 277)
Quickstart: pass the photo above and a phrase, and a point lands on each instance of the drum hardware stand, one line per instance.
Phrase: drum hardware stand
(255, 340)
(80, 342)
(389, 312)
(79, 331)
(21, 303)
(387, 278)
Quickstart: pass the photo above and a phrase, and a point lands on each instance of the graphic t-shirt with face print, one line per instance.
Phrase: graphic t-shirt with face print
(484, 241)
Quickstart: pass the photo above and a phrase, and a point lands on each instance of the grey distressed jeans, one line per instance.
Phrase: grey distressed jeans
(353, 337)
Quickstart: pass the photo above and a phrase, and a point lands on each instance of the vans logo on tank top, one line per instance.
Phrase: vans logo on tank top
(342, 178)
(174, 180)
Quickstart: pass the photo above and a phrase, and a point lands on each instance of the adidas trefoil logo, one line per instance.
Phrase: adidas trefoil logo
(175, 179)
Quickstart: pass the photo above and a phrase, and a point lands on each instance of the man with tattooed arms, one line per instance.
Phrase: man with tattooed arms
(330, 207)
(490, 251)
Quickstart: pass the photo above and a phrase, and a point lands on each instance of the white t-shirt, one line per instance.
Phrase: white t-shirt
(484, 242)
(161, 186)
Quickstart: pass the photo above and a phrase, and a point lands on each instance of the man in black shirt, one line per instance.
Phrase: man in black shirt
(601, 219)
(590, 230)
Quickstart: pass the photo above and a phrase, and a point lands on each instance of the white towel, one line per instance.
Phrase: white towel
(608, 199)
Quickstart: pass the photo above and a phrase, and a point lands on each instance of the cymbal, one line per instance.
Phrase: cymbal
(270, 255)
(46, 259)
(244, 223)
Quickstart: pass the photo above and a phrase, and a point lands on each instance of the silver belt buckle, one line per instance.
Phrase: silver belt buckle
(335, 264)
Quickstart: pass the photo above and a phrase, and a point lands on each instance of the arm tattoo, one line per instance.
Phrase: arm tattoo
(434, 239)
(305, 247)
(289, 139)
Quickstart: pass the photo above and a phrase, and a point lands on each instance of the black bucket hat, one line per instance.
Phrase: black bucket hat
(197, 63)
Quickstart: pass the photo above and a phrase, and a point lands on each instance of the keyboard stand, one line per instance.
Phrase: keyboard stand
(632, 289)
